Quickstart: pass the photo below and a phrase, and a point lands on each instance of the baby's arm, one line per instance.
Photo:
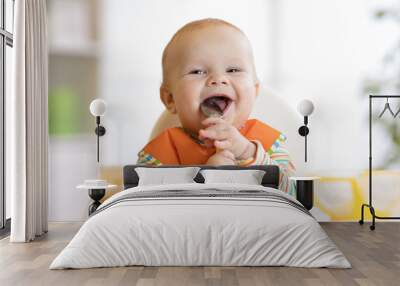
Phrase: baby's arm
(276, 155)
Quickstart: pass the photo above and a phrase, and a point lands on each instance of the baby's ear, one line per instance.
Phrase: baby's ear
(167, 98)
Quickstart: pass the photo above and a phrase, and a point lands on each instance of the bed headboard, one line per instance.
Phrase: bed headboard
(270, 179)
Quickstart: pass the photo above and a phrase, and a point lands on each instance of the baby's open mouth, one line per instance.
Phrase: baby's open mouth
(215, 105)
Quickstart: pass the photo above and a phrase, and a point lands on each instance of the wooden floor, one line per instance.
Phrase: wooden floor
(374, 255)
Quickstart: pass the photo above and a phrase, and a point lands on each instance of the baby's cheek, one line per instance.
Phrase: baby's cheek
(188, 115)
(186, 99)
(246, 101)
(243, 110)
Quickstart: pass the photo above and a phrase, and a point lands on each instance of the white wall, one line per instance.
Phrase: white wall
(320, 50)
(71, 161)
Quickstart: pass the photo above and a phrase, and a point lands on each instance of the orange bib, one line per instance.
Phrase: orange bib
(175, 147)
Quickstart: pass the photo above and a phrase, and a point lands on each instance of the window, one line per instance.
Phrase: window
(6, 44)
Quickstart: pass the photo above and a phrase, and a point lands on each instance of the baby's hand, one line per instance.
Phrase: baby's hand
(227, 137)
(223, 157)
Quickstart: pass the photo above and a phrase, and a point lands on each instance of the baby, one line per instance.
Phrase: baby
(210, 82)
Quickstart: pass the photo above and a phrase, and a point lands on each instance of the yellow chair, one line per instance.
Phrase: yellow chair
(385, 195)
(338, 197)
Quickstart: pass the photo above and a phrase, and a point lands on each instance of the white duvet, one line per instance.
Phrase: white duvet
(182, 231)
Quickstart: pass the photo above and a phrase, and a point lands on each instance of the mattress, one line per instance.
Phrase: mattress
(201, 225)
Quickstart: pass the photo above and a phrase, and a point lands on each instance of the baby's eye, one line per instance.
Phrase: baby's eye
(233, 70)
(197, 71)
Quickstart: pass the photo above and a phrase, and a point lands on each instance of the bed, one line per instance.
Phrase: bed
(201, 224)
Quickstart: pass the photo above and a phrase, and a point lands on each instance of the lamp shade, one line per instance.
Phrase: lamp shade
(98, 107)
(305, 107)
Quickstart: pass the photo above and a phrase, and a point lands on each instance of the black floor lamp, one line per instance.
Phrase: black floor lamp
(370, 203)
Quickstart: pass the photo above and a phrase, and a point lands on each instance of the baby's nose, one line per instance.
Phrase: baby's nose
(217, 80)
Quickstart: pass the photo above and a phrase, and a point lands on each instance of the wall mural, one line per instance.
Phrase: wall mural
(215, 126)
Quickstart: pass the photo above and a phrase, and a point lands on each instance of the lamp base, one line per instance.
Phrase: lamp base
(305, 193)
(96, 195)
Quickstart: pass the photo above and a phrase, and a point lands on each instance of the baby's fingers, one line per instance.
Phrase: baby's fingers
(223, 144)
(228, 154)
(215, 134)
(207, 142)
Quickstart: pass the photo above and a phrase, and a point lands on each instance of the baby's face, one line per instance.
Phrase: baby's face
(210, 69)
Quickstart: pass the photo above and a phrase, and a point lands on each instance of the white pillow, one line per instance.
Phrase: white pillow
(249, 177)
(162, 176)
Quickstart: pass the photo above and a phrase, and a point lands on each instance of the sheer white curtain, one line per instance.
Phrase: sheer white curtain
(27, 123)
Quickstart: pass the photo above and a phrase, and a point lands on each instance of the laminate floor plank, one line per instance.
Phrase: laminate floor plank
(374, 255)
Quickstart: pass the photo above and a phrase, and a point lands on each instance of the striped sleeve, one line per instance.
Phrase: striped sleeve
(279, 156)
(147, 159)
